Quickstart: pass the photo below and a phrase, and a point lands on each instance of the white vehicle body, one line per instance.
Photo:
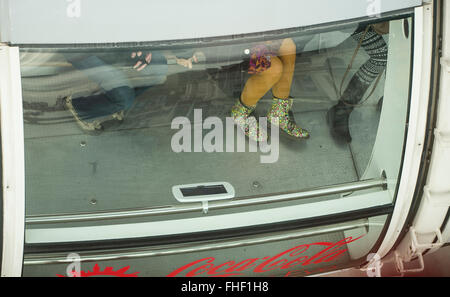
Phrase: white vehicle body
(397, 208)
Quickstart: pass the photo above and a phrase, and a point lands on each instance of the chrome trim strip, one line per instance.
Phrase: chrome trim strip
(131, 253)
(198, 207)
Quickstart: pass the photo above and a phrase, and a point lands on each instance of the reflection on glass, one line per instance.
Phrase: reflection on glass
(99, 123)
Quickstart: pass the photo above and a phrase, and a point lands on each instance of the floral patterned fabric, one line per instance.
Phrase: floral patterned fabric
(247, 123)
(279, 115)
(260, 59)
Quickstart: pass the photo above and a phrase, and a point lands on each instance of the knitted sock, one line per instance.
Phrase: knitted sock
(377, 49)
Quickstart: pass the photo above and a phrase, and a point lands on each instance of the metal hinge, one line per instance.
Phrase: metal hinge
(373, 268)
(416, 250)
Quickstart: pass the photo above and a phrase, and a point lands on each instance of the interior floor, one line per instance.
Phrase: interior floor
(132, 165)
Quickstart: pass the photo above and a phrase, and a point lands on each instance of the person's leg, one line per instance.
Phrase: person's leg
(259, 84)
(117, 97)
(255, 88)
(377, 49)
(287, 54)
(282, 103)
(102, 105)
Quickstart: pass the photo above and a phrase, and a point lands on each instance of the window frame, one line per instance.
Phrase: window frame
(13, 162)
(421, 103)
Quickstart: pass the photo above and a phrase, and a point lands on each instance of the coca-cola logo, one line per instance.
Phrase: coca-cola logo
(291, 262)
(287, 260)
(74, 269)
(96, 271)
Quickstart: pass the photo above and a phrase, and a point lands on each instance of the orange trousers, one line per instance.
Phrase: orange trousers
(278, 77)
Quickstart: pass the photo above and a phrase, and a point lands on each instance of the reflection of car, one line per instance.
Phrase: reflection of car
(125, 198)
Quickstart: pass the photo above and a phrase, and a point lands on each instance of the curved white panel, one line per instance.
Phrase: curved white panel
(104, 21)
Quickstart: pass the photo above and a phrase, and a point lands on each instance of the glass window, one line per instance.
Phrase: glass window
(214, 138)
